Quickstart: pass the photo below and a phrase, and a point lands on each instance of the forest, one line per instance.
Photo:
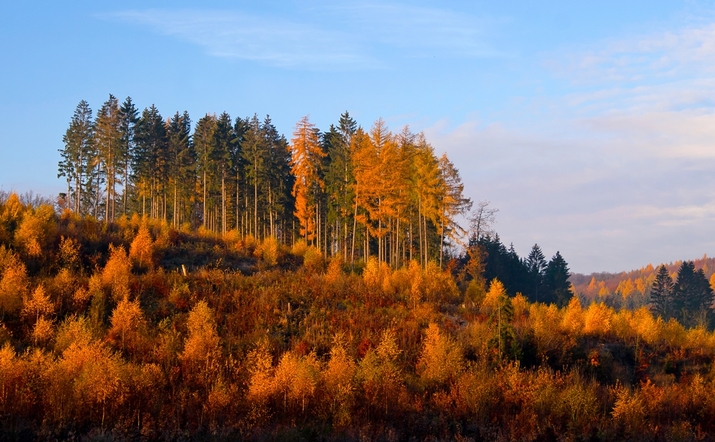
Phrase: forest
(226, 284)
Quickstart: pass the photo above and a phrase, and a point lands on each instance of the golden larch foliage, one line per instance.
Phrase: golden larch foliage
(117, 271)
(38, 304)
(202, 343)
(441, 358)
(142, 247)
(597, 319)
(573, 318)
(494, 294)
(127, 322)
(261, 384)
(36, 230)
(13, 286)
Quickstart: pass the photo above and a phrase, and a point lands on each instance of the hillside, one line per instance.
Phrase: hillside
(136, 330)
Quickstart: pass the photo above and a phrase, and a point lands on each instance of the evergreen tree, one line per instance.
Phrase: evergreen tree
(556, 281)
(306, 154)
(536, 266)
(661, 293)
(692, 296)
(182, 166)
(108, 139)
(128, 118)
(78, 155)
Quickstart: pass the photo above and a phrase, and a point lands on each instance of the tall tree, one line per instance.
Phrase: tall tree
(203, 143)
(306, 155)
(452, 203)
(556, 281)
(128, 118)
(661, 293)
(151, 161)
(182, 160)
(536, 265)
(78, 153)
(108, 139)
(692, 296)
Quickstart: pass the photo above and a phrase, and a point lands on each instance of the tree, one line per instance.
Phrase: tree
(306, 155)
(692, 296)
(77, 155)
(452, 203)
(128, 118)
(536, 265)
(108, 139)
(661, 293)
(182, 165)
(556, 281)
(481, 221)
(441, 358)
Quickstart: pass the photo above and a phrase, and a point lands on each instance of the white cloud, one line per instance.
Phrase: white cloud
(269, 40)
(351, 36)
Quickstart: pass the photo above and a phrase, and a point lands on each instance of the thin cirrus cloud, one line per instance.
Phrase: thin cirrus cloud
(267, 40)
(361, 35)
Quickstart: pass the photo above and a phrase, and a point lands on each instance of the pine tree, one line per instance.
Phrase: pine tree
(78, 154)
(692, 296)
(128, 118)
(108, 139)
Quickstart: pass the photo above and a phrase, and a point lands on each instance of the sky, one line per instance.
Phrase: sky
(589, 125)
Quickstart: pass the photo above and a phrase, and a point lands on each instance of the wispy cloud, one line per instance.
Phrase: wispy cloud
(269, 40)
(350, 36)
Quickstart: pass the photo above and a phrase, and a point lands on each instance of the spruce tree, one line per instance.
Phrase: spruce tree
(661, 293)
(536, 266)
(556, 281)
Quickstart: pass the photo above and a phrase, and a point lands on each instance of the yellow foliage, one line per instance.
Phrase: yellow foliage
(296, 377)
(313, 260)
(375, 273)
(38, 304)
(36, 230)
(73, 331)
(299, 248)
(573, 318)
(203, 340)
(13, 286)
(43, 330)
(142, 247)
(268, 251)
(339, 381)
(334, 275)
(117, 271)
(261, 384)
(126, 322)
(493, 296)
(441, 358)
(597, 319)
(520, 305)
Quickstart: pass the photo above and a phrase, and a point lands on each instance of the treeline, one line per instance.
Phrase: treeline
(136, 330)
(348, 191)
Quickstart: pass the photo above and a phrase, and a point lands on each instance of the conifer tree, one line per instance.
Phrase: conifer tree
(78, 154)
(556, 281)
(536, 265)
(128, 118)
(108, 139)
(306, 155)
(661, 293)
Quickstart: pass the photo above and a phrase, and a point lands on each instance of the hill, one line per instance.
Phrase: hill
(136, 330)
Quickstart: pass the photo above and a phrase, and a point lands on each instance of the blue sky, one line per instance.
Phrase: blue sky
(591, 127)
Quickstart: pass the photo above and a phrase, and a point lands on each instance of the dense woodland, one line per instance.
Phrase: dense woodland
(220, 302)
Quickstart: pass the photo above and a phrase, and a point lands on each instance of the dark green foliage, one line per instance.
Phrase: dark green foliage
(556, 281)
(661, 293)
(692, 296)
(536, 266)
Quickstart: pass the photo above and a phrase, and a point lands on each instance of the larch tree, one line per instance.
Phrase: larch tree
(452, 203)
(306, 154)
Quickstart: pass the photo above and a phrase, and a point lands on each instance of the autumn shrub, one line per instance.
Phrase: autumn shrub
(36, 231)
(598, 319)
(441, 359)
(142, 248)
(14, 284)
